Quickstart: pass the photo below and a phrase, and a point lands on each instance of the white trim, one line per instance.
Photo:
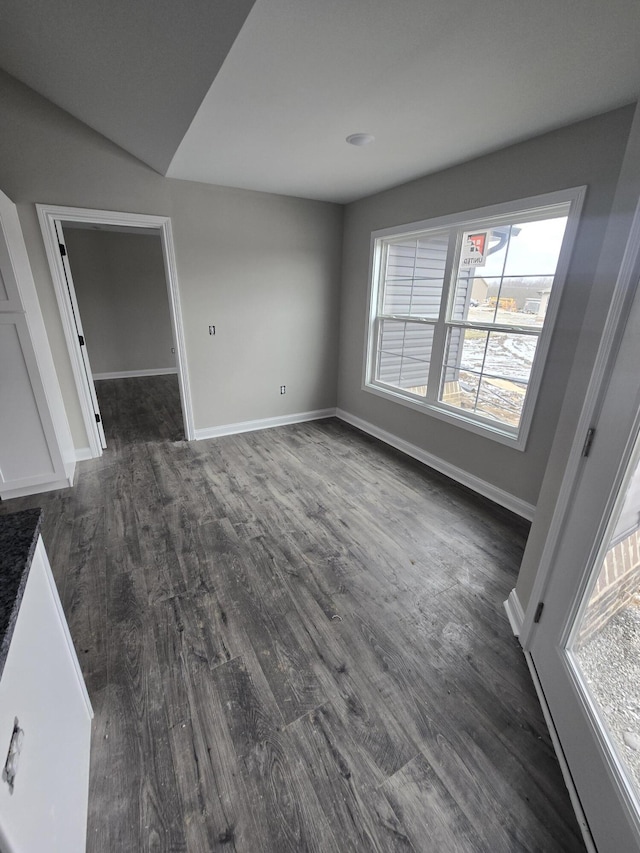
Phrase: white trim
(515, 613)
(48, 215)
(443, 412)
(488, 490)
(562, 761)
(41, 553)
(264, 423)
(128, 374)
(625, 284)
(83, 453)
(35, 489)
(476, 216)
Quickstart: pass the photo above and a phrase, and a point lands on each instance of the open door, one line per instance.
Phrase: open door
(586, 646)
(80, 334)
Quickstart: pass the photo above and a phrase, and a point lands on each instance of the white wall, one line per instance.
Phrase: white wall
(120, 285)
(263, 268)
(586, 153)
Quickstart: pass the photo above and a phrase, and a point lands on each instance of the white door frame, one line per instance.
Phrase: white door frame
(611, 806)
(77, 321)
(48, 215)
(624, 289)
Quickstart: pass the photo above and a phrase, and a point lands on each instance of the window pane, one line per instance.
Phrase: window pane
(481, 300)
(463, 391)
(501, 401)
(404, 355)
(505, 275)
(471, 299)
(465, 349)
(389, 366)
(509, 301)
(481, 264)
(484, 251)
(534, 247)
(488, 372)
(414, 276)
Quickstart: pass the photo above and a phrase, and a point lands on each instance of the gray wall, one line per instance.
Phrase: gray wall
(266, 270)
(120, 284)
(263, 268)
(589, 153)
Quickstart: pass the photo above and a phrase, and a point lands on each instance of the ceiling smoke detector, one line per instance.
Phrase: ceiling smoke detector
(360, 139)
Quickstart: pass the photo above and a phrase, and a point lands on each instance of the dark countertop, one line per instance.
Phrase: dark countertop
(18, 537)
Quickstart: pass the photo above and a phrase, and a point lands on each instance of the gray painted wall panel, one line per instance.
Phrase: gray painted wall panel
(121, 289)
(277, 304)
(263, 268)
(586, 153)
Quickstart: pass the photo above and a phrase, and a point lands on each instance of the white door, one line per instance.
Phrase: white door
(586, 645)
(80, 333)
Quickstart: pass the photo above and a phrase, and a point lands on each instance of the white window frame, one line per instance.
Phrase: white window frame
(531, 208)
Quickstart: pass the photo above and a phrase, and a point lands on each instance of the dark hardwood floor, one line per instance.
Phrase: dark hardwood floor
(294, 640)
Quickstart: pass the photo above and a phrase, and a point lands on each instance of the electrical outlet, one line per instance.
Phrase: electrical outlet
(212, 330)
(283, 389)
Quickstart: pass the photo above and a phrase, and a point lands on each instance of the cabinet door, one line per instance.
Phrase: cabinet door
(29, 455)
(9, 293)
(36, 448)
(43, 694)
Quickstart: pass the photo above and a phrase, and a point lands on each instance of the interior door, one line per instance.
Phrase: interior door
(586, 646)
(81, 339)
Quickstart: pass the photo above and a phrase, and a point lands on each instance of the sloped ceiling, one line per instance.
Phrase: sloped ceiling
(134, 70)
(263, 97)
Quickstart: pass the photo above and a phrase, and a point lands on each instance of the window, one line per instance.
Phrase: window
(462, 309)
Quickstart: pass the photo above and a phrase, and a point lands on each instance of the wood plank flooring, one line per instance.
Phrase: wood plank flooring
(294, 640)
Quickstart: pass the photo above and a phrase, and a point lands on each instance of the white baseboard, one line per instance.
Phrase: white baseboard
(264, 423)
(25, 491)
(70, 470)
(499, 496)
(127, 374)
(568, 778)
(515, 613)
(83, 453)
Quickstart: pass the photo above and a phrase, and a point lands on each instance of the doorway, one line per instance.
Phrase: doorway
(584, 653)
(581, 631)
(53, 221)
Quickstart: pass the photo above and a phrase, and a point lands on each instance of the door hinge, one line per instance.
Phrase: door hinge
(81, 340)
(588, 441)
(98, 420)
(538, 612)
(63, 251)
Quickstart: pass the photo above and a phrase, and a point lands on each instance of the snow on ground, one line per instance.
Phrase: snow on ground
(610, 662)
(507, 358)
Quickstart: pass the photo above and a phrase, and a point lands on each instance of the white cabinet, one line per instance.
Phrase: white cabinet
(42, 692)
(36, 449)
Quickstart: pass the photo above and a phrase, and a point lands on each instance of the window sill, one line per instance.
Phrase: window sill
(515, 440)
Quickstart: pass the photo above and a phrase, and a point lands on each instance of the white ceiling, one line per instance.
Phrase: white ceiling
(134, 70)
(436, 81)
